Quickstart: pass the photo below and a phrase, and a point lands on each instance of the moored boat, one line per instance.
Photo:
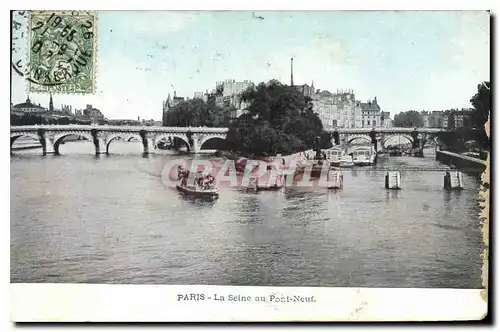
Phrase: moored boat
(346, 162)
(334, 156)
(363, 156)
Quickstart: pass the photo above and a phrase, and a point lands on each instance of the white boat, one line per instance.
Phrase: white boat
(334, 156)
(346, 162)
(363, 156)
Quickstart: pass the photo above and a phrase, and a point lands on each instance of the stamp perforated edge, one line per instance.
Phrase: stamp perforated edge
(95, 16)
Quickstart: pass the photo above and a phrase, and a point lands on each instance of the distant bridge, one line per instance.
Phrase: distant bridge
(51, 136)
(382, 135)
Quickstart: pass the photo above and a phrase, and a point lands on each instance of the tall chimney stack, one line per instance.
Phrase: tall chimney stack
(291, 72)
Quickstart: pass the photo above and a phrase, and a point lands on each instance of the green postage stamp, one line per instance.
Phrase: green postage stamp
(62, 52)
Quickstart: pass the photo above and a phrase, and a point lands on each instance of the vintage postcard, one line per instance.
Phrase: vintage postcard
(177, 166)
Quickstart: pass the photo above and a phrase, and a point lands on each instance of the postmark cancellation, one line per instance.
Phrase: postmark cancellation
(62, 51)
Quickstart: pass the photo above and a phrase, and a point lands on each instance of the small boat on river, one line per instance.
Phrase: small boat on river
(202, 186)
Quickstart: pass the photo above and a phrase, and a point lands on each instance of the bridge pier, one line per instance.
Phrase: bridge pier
(100, 142)
(48, 144)
(195, 147)
(148, 142)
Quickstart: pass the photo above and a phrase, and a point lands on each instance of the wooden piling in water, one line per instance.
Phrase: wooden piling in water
(393, 180)
(453, 180)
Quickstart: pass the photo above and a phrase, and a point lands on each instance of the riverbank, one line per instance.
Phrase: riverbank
(462, 162)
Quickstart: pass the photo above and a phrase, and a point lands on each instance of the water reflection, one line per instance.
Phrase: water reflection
(392, 194)
(451, 199)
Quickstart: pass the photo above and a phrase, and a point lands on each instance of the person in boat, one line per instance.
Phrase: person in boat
(200, 177)
(183, 175)
(208, 181)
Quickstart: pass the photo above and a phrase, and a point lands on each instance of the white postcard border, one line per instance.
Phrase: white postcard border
(160, 303)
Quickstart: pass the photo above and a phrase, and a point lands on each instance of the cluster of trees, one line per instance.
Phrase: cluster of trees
(408, 119)
(474, 126)
(473, 129)
(29, 119)
(279, 120)
(197, 112)
(481, 103)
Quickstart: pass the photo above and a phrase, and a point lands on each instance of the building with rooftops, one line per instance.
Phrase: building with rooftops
(337, 110)
(370, 114)
(28, 107)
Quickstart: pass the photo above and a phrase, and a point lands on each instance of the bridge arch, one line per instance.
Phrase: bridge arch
(388, 137)
(211, 137)
(58, 138)
(360, 137)
(125, 136)
(172, 135)
(15, 136)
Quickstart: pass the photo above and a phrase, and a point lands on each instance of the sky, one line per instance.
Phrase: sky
(428, 60)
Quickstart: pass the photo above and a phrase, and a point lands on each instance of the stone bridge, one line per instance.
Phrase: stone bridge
(51, 136)
(382, 135)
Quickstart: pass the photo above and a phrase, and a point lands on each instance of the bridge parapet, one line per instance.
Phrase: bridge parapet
(121, 128)
(384, 130)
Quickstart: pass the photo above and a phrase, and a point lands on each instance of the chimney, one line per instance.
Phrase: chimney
(291, 71)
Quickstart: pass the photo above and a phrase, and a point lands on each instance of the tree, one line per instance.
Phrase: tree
(481, 102)
(196, 112)
(408, 119)
(279, 120)
(473, 129)
(63, 121)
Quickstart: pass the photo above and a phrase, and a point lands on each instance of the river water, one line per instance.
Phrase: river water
(84, 219)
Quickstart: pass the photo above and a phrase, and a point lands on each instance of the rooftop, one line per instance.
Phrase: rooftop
(28, 104)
